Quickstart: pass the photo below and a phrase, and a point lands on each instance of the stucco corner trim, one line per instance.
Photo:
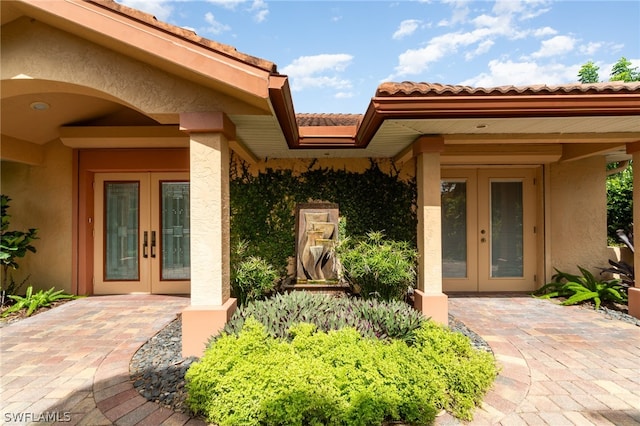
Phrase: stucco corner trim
(633, 147)
(428, 143)
(208, 122)
(199, 323)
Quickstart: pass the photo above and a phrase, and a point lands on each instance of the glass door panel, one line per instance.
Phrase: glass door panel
(170, 198)
(175, 237)
(122, 206)
(454, 229)
(506, 230)
(121, 210)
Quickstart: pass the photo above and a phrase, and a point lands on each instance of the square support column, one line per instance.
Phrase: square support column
(634, 292)
(211, 306)
(429, 298)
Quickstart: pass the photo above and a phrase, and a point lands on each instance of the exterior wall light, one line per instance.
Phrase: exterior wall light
(39, 106)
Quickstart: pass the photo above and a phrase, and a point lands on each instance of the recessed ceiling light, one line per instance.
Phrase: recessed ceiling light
(39, 106)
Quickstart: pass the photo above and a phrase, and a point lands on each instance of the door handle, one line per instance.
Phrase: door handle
(153, 243)
(145, 245)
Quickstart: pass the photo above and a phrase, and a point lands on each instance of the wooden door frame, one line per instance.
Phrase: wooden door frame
(472, 174)
(87, 162)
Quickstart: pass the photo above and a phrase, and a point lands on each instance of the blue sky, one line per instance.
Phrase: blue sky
(337, 52)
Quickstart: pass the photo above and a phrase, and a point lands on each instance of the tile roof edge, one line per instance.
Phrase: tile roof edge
(415, 89)
(185, 34)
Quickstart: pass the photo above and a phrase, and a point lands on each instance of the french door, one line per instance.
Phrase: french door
(488, 229)
(141, 233)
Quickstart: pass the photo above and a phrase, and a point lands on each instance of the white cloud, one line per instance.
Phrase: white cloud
(558, 45)
(542, 32)
(590, 48)
(258, 8)
(459, 14)
(161, 9)
(318, 71)
(344, 95)
(406, 28)
(227, 4)
(482, 48)
(524, 73)
(214, 27)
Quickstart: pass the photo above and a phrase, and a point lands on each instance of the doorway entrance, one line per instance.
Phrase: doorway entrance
(141, 233)
(488, 230)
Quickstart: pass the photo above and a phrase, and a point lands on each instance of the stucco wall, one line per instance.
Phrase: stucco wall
(578, 222)
(42, 198)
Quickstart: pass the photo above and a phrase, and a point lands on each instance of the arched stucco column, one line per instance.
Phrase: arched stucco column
(211, 306)
(634, 292)
(429, 298)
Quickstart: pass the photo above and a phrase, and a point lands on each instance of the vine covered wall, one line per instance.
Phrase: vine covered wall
(372, 194)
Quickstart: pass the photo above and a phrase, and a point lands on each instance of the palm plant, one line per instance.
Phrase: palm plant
(577, 289)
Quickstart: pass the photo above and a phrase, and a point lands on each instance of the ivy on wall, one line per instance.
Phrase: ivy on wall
(263, 206)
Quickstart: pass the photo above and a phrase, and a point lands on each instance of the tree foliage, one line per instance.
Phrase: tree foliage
(588, 73)
(621, 71)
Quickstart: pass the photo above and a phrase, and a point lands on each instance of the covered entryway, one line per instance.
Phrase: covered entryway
(142, 233)
(489, 228)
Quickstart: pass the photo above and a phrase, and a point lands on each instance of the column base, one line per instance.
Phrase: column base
(199, 323)
(433, 305)
(634, 302)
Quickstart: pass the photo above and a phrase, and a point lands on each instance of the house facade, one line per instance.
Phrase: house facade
(117, 131)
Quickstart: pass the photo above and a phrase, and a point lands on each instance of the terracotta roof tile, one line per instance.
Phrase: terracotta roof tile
(307, 120)
(186, 34)
(411, 89)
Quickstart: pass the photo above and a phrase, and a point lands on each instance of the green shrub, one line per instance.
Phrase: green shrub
(619, 202)
(32, 302)
(578, 289)
(252, 278)
(14, 245)
(336, 378)
(378, 268)
(372, 318)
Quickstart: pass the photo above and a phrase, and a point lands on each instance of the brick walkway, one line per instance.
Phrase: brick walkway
(71, 364)
(560, 365)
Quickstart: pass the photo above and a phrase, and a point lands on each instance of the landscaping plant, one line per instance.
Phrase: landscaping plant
(376, 267)
(337, 378)
(372, 318)
(14, 245)
(32, 302)
(577, 289)
(252, 278)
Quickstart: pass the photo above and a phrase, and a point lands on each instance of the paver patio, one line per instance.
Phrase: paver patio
(560, 365)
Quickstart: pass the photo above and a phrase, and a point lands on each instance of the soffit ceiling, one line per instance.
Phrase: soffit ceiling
(264, 138)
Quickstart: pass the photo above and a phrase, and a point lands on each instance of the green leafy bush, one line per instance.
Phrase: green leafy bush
(378, 268)
(372, 318)
(32, 302)
(619, 202)
(336, 378)
(252, 278)
(13, 246)
(578, 289)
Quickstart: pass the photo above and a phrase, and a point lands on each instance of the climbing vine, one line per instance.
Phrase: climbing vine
(263, 206)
